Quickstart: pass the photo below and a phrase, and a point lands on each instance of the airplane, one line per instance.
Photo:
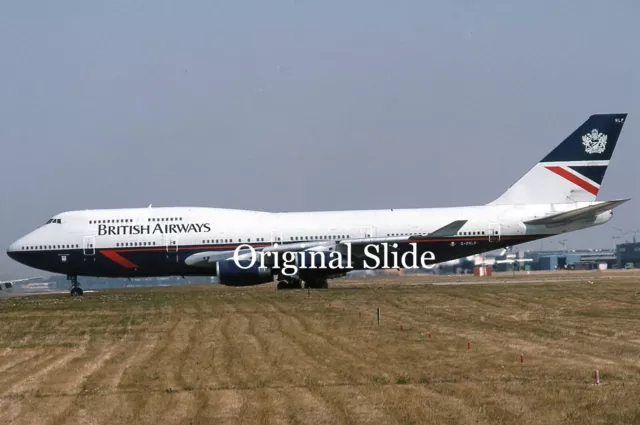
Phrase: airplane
(557, 195)
(9, 283)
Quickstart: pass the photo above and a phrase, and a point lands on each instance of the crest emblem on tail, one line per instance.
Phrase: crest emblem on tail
(594, 142)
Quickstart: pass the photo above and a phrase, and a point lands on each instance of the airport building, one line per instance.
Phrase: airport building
(575, 260)
(628, 255)
(594, 259)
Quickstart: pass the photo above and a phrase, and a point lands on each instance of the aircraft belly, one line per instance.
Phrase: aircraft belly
(160, 262)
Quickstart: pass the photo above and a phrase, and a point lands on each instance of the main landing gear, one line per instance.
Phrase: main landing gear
(289, 283)
(292, 283)
(76, 290)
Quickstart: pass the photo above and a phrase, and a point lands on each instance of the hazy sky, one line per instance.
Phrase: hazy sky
(301, 105)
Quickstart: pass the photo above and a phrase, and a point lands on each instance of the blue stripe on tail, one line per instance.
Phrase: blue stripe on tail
(595, 173)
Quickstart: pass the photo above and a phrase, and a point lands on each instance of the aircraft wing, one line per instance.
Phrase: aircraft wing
(445, 231)
(9, 283)
(208, 259)
(449, 230)
(18, 280)
(590, 211)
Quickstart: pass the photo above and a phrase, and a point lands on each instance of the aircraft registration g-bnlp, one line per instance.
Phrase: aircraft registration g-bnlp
(558, 195)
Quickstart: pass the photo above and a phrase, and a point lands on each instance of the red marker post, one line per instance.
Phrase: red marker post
(468, 346)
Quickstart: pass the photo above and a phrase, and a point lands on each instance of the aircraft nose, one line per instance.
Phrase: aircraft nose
(14, 248)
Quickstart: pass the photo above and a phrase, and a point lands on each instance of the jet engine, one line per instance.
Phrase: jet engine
(231, 274)
(320, 260)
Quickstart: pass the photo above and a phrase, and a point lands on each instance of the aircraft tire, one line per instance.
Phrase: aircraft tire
(289, 284)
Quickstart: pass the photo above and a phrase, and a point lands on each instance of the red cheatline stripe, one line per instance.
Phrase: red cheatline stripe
(114, 256)
(574, 179)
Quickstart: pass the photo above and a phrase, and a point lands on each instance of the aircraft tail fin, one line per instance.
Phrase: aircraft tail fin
(574, 170)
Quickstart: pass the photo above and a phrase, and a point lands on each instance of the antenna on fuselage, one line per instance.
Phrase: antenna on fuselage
(149, 205)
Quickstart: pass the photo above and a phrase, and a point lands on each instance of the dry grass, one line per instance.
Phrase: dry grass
(207, 354)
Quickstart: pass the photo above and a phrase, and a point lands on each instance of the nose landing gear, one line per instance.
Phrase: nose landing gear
(76, 290)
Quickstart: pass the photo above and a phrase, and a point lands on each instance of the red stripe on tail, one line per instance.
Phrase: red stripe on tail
(574, 179)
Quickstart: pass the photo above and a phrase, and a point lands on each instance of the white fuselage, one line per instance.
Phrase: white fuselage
(141, 241)
(113, 228)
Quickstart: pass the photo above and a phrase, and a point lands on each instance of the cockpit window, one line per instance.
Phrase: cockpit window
(54, 220)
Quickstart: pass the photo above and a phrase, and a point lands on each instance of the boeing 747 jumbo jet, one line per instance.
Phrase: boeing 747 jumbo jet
(241, 247)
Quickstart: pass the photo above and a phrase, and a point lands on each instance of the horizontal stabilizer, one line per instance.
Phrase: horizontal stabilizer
(446, 231)
(577, 214)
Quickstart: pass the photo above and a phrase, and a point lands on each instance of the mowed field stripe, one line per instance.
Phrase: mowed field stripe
(210, 354)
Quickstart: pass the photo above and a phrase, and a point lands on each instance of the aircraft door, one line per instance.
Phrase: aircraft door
(495, 230)
(367, 232)
(171, 244)
(89, 246)
(276, 237)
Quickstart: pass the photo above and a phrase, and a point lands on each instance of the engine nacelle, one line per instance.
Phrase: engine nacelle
(230, 274)
(604, 217)
(322, 261)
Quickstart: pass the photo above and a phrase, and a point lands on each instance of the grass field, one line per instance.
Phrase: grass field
(215, 355)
